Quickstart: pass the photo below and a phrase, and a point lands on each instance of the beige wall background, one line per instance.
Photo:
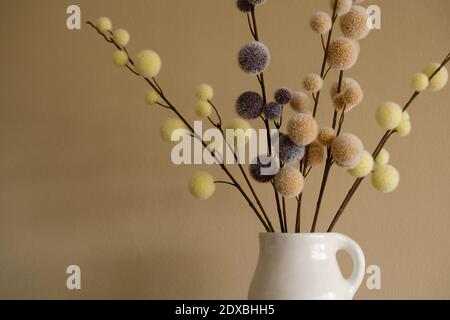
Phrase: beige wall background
(85, 179)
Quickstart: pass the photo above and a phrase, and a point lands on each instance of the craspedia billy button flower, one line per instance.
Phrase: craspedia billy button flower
(273, 110)
(204, 92)
(201, 185)
(289, 151)
(320, 22)
(420, 82)
(364, 167)
(169, 127)
(240, 127)
(385, 178)
(249, 105)
(389, 115)
(354, 24)
(439, 80)
(243, 6)
(343, 53)
(312, 83)
(289, 182)
(342, 7)
(203, 109)
(283, 96)
(404, 128)
(350, 96)
(152, 97)
(120, 58)
(148, 63)
(257, 2)
(382, 158)
(347, 150)
(103, 24)
(302, 129)
(315, 154)
(121, 37)
(300, 102)
(326, 136)
(257, 169)
(254, 57)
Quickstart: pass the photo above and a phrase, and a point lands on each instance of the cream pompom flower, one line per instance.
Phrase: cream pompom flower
(103, 24)
(202, 185)
(204, 92)
(389, 115)
(148, 63)
(385, 178)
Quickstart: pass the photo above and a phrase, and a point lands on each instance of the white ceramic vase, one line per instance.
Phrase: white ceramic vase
(304, 267)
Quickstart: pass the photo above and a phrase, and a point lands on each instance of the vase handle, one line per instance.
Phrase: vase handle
(359, 263)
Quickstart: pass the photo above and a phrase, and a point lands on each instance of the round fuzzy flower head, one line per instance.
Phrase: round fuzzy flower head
(354, 24)
(326, 136)
(289, 151)
(385, 178)
(244, 6)
(204, 92)
(283, 96)
(121, 37)
(302, 129)
(389, 115)
(257, 169)
(420, 82)
(152, 97)
(404, 128)
(347, 150)
(249, 105)
(342, 7)
(315, 155)
(148, 63)
(300, 102)
(254, 57)
(201, 185)
(350, 96)
(440, 79)
(120, 58)
(364, 167)
(289, 182)
(312, 83)
(203, 109)
(103, 24)
(240, 128)
(320, 22)
(169, 127)
(382, 158)
(273, 110)
(343, 53)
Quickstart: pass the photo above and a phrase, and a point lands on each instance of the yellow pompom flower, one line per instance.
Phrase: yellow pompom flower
(439, 80)
(405, 116)
(389, 115)
(239, 124)
(420, 82)
(152, 97)
(203, 109)
(204, 92)
(385, 178)
(169, 127)
(365, 166)
(382, 158)
(121, 37)
(148, 63)
(103, 24)
(201, 185)
(404, 128)
(120, 58)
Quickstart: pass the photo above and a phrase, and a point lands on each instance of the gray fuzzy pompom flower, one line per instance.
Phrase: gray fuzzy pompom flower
(254, 57)
(263, 176)
(289, 151)
(244, 6)
(249, 105)
(273, 110)
(283, 96)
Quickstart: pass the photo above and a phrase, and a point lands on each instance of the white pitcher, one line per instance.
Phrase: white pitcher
(304, 267)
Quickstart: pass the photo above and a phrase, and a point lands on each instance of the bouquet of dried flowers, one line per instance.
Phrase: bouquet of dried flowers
(301, 144)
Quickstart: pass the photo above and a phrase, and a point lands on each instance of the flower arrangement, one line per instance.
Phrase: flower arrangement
(302, 143)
